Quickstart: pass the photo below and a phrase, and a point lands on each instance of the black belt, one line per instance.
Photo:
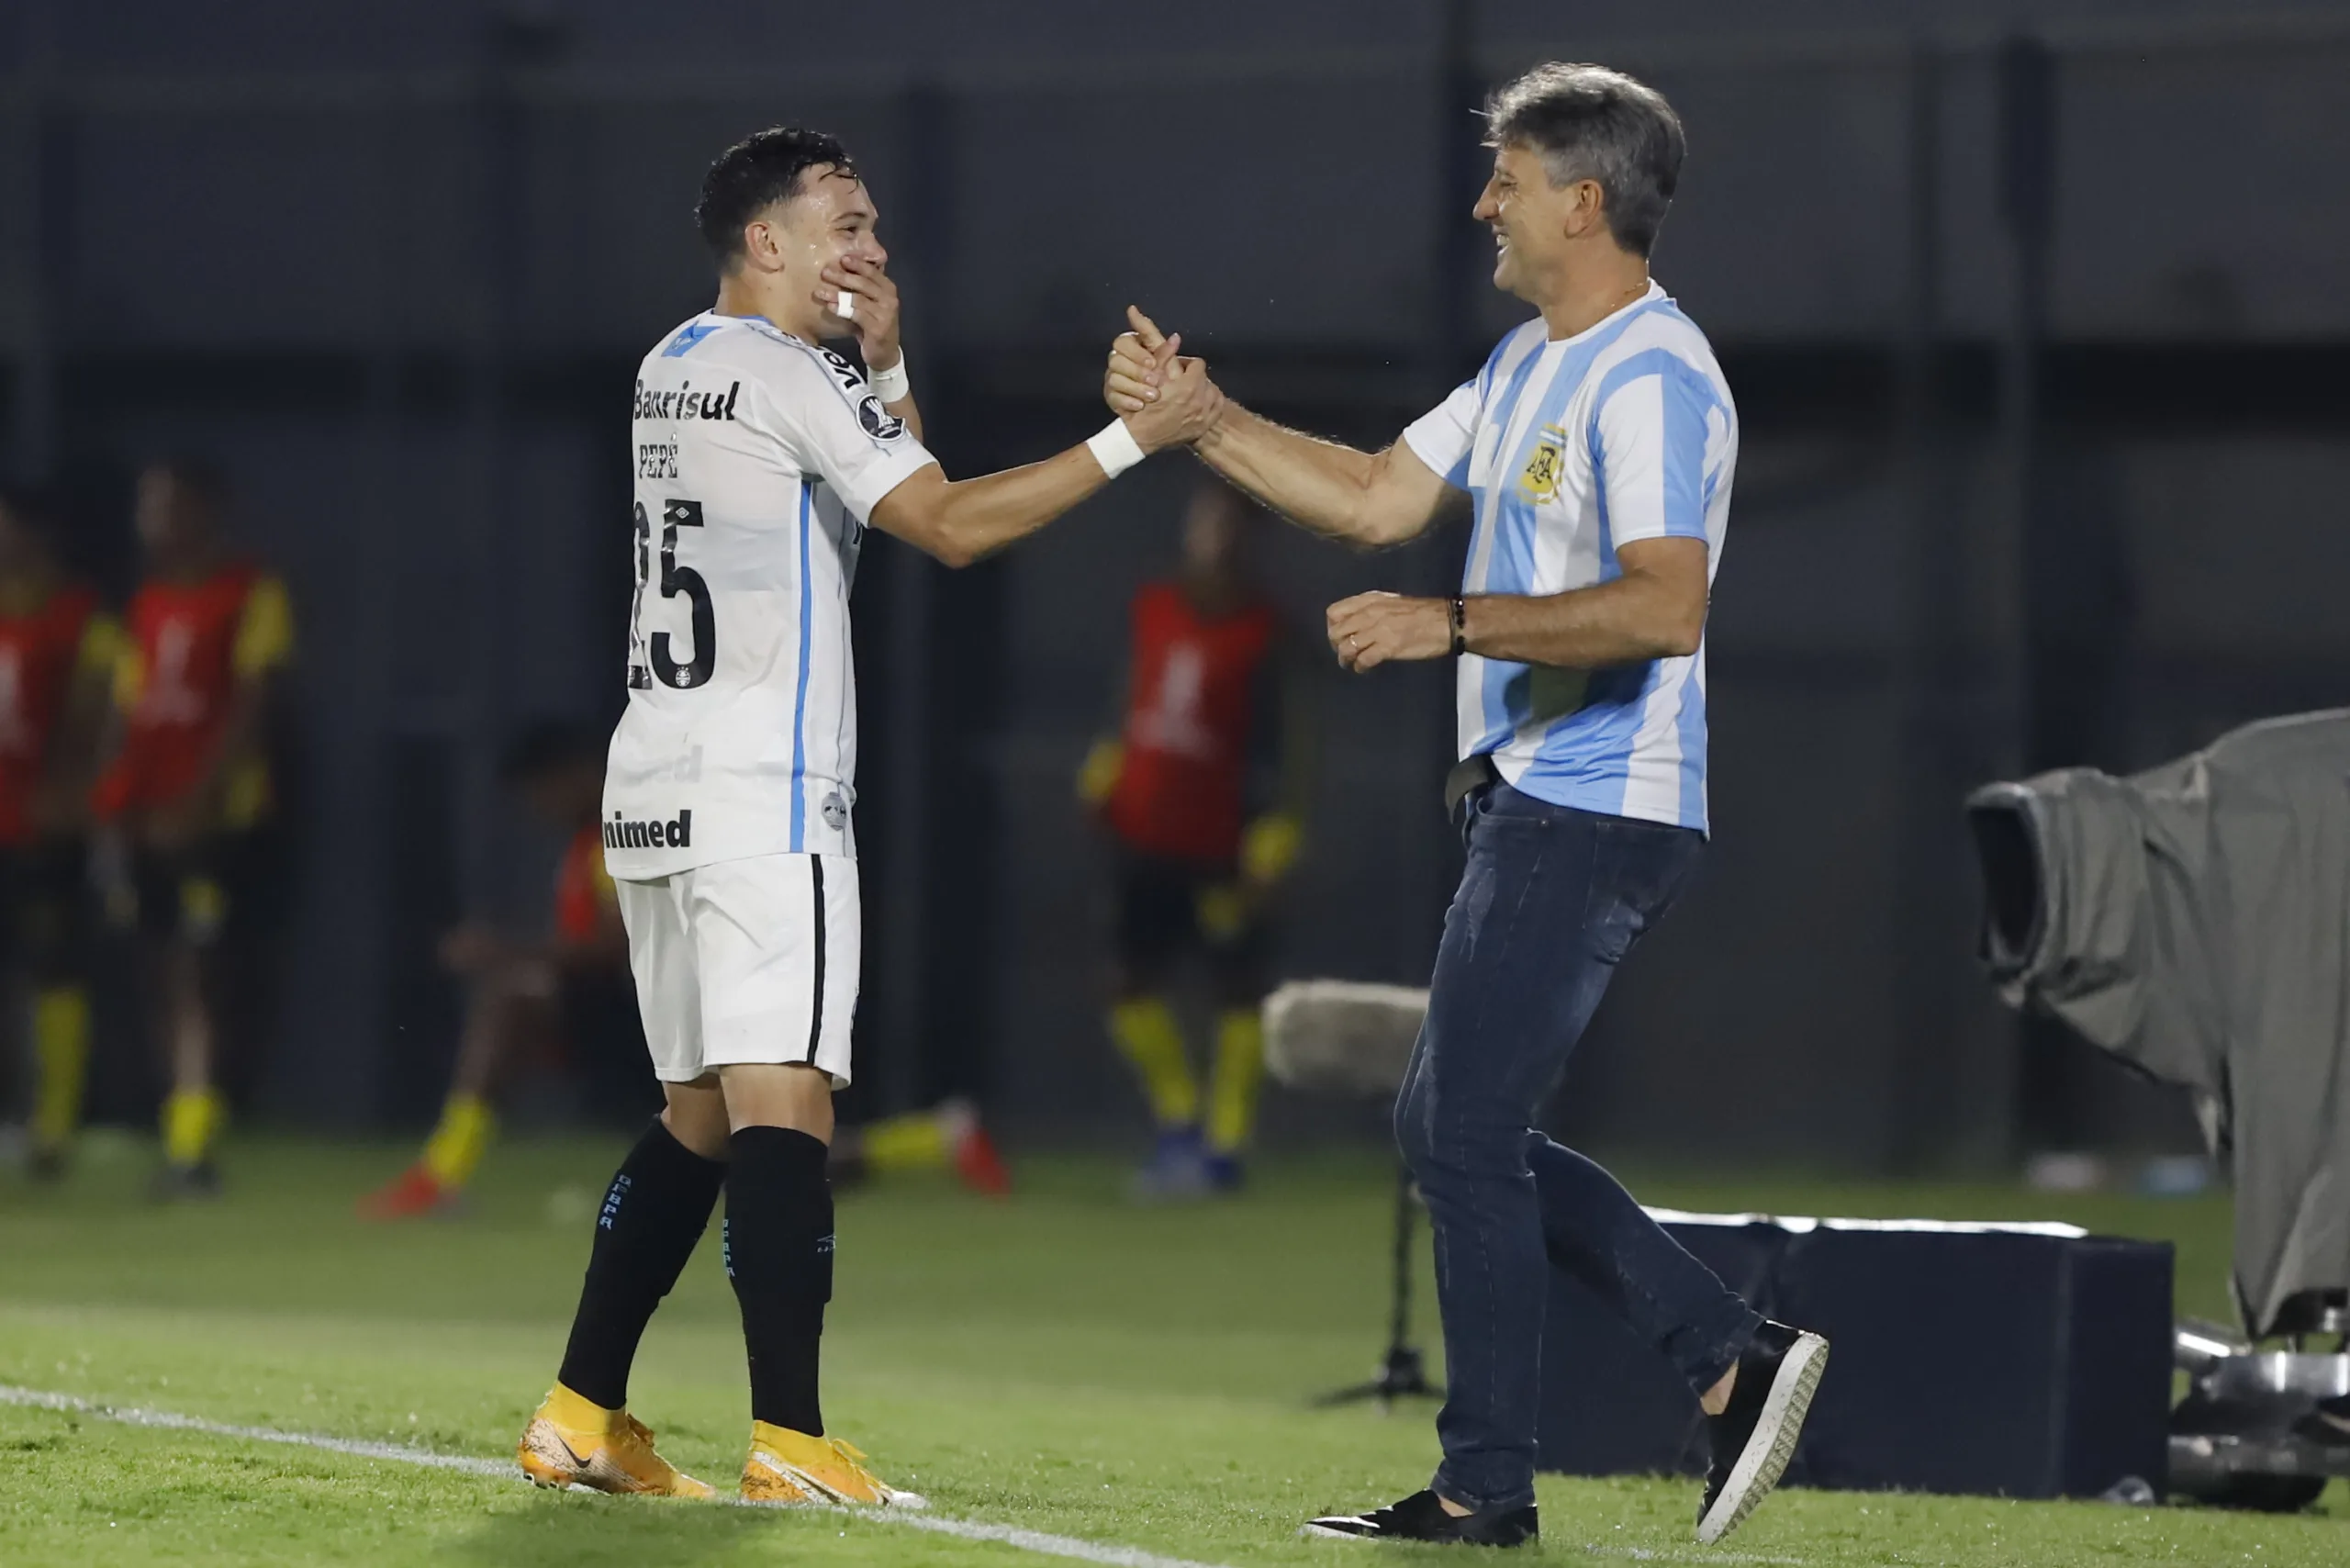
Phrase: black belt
(1468, 776)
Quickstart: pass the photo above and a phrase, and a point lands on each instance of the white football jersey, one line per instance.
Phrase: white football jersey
(758, 458)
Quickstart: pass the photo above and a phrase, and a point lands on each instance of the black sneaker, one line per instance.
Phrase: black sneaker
(2328, 1422)
(1755, 1438)
(1421, 1518)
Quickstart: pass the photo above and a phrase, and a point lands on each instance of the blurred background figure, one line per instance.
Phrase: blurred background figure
(947, 1136)
(188, 793)
(563, 997)
(58, 650)
(1200, 796)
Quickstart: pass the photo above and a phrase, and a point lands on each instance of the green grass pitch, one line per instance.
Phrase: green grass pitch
(1063, 1363)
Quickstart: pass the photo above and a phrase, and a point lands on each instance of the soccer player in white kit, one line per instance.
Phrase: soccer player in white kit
(760, 459)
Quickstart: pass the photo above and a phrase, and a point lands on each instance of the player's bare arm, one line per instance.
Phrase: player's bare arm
(1364, 498)
(960, 520)
(812, 264)
(1655, 611)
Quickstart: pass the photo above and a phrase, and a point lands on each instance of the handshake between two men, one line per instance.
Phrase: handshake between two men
(1367, 498)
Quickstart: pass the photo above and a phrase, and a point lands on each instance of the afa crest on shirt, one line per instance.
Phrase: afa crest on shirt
(1539, 481)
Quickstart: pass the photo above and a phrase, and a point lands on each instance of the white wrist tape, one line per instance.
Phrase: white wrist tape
(892, 384)
(1114, 447)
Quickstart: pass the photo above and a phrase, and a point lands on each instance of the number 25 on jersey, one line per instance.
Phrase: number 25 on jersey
(663, 667)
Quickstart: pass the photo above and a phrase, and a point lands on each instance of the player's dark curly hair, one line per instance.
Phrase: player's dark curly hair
(1591, 123)
(757, 172)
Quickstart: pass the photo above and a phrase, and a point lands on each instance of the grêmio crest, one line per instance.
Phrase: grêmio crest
(1539, 481)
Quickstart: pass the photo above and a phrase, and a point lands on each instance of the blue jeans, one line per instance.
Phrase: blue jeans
(1550, 902)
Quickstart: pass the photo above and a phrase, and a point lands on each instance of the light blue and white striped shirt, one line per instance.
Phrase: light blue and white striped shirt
(1572, 450)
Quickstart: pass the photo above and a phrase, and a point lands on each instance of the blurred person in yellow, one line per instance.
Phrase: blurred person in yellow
(58, 648)
(1200, 795)
(947, 1136)
(187, 789)
(565, 995)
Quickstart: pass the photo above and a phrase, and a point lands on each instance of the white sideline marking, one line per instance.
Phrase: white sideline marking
(967, 1529)
(131, 1416)
(1038, 1542)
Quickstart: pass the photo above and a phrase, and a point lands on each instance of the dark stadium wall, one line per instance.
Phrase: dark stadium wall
(1297, 158)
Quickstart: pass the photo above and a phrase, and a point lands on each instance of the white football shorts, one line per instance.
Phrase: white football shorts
(744, 961)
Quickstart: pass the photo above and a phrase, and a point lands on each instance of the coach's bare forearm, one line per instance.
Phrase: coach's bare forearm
(1320, 484)
(960, 521)
(1631, 620)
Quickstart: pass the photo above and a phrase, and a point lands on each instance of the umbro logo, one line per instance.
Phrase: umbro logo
(678, 832)
(687, 336)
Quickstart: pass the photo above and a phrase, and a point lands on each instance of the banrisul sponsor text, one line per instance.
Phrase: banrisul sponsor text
(682, 402)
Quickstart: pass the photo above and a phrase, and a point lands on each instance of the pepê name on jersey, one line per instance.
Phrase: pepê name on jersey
(677, 833)
(682, 402)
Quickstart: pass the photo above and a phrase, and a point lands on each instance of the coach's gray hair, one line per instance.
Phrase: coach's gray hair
(1591, 123)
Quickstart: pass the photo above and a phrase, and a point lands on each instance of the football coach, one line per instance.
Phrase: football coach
(1596, 449)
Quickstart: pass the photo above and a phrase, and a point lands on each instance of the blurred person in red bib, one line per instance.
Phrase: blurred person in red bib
(1199, 794)
(189, 788)
(57, 649)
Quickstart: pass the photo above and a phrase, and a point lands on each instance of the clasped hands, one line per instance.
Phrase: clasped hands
(1148, 379)
(1164, 396)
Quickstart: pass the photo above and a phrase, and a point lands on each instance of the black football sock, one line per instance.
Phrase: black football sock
(653, 1212)
(780, 1254)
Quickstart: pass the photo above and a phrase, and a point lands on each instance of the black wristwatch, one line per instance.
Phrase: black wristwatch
(1460, 626)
